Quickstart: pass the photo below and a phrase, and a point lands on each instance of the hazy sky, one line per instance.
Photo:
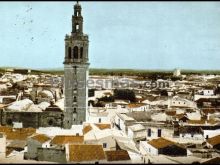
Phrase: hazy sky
(140, 35)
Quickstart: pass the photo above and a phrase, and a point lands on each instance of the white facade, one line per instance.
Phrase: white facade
(189, 136)
(2, 144)
(136, 131)
(211, 133)
(197, 97)
(121, 119)
(139, 108)
(102, 93)
(177, 73)
(168, 133)
(147, 149)
(176, 101)
(208, 92)
(102, 137)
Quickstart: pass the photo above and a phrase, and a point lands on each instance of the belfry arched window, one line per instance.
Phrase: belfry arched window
(75, 52)
(77, 27)
(69, 52)
(81, 52)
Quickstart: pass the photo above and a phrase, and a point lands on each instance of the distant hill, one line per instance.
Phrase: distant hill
(120, 72)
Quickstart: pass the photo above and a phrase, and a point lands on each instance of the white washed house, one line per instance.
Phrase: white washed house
(136, 132)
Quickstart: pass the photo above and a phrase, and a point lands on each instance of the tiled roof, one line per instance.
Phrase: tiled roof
(86, 129)
(135, 105)
(65, 139)
(117, 155)
(215, 160)
(161, 143)
(214, 140)
(40, 138)
(202, 121)
(179, 116)
(85, 152)
(5, 129)
(26, 130)
(208, 110)
(196, 121)
(103, 126)
(17, 144)
(171, 113)
(17, 134)
(3, 105)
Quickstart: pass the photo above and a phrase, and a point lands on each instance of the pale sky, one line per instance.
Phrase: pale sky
(135, 35)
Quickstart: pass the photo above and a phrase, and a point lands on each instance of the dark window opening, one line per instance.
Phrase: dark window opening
(9, 121)
(74, 99)
(74, 111)
(81, 52)
(69, 52)
(50, 122)
(104, 145)
(159, 132)
(149, 132)
(75, 52)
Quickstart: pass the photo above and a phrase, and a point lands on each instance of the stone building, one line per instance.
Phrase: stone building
(76, 71)
(52, 116)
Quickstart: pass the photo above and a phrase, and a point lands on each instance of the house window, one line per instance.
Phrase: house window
(104, 145)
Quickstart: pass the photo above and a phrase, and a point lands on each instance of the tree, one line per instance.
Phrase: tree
(124, 94)
(164, 93)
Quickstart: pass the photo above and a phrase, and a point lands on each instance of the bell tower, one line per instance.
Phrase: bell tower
(76, 72)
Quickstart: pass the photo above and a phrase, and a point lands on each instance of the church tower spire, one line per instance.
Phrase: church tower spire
(77, 20)
(76, 72)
